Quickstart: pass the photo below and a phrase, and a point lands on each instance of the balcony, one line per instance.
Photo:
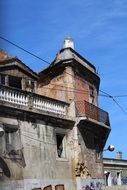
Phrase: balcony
(19, 99)
(92, 112)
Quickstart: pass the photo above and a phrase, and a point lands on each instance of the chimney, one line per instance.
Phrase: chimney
(68, 43)
(119, 155)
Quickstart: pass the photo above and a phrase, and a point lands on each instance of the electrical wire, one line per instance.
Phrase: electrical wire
(116, 102)
(80, 91)
(120, 96)
(46, 142)
(23, 49)
(105, 94)
(12, 43)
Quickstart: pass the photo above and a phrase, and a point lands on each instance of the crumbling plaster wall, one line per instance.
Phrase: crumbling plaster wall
(86, 153)
(60, 87)
(43, 167)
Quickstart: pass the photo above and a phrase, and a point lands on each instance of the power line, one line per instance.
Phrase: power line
(66, 90)
(120, 96)
(14, 44)
(119, 106)
(39, 140)
(105, 93)
(116, 102)
(24, 49)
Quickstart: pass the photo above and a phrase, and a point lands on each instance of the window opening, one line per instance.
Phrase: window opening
(29, 85)
(60, 138)
(119, 178)
(91, 94)
(97, 149)
(12, 141)
(108, 180)
(49, 187)
(59, 187)
(2, 79)
(15, 82)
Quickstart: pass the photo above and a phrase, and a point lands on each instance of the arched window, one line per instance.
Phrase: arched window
(59, 187)
(49, 187)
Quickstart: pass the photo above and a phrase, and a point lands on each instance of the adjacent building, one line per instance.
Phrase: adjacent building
(115, 171)
(52, 131)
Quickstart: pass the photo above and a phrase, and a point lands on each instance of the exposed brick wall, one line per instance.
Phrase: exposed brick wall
(83, 89)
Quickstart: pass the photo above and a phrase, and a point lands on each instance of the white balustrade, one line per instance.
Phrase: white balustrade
(21, 98)
(49, 106)
(14, 97)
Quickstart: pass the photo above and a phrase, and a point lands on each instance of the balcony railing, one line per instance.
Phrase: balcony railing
(86, 109)
(16, 97)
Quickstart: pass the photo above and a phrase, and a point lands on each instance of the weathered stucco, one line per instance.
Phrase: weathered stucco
(58, 145)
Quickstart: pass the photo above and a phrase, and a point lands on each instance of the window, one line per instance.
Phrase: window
(29, 85)
(15, 82)
(2, 79)
(108, 180)
(61, 145)
(119, 178)
(12, 140)
(49, 187)
(59, 187)
(91, 95)
(98, 155)
(97, 149)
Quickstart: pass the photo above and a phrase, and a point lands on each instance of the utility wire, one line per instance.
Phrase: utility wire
(66, 90)
(120, 96)
(14, 44)
(116, 102)
(119, 106)
(105, 94)
(24, 49)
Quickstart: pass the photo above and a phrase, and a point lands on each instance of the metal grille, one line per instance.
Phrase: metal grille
(84, 108)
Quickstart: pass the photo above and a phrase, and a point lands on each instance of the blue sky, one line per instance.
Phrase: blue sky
(99, 30)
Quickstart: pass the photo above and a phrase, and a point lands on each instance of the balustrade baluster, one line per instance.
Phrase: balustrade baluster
(23, 100)
(18, 97)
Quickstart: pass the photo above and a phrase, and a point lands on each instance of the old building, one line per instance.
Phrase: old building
(52, 132)
(115, 172)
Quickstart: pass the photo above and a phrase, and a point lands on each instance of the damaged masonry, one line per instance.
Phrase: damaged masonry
(52, 132)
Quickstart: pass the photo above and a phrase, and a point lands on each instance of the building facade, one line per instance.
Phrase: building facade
(52, 132)
(115, 172)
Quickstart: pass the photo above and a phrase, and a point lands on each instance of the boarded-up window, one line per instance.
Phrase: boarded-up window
(59, 187)
(49, 187)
